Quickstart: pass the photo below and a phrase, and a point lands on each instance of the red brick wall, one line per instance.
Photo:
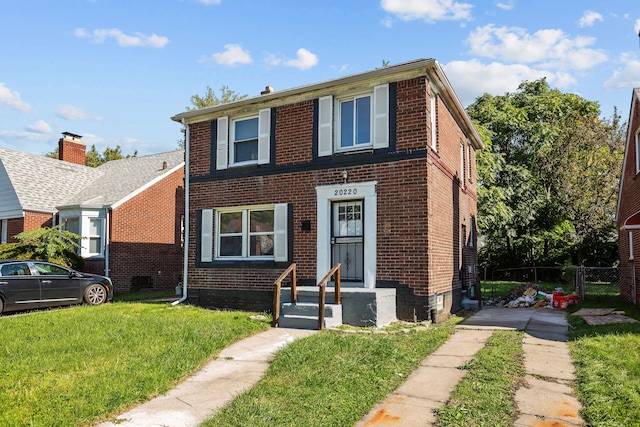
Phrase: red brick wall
(293, 133)
(72, 151)
(200, 152)
(146, 236)
(31, 221)
(421, 205)
(629, 205)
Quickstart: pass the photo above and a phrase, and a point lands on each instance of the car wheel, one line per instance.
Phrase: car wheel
(95, 295)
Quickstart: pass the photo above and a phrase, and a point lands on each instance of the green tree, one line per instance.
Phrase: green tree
(549, 165)
(49, 244)
(210, 99)
(95, 158)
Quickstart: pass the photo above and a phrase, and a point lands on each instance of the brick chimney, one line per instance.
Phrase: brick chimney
(70, 149)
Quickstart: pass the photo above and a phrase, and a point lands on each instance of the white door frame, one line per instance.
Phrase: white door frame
(326, 194)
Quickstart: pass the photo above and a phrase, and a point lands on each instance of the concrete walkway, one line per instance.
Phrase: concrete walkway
(545, 399)
(236, 369)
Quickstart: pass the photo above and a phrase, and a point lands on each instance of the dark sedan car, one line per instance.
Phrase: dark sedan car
(37, 284)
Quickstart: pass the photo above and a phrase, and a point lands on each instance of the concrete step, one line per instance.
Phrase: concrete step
(305, 315)
(308, 294)
(310, 309)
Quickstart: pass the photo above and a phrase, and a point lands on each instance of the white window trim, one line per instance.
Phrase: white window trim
(84, 223)
(210, 235)
(433, 121)
(338, 121)
(225, 139)
(232, 142)
(462, 163)
(638, 152)
(3, 231)
(329, 126)
(631, 246)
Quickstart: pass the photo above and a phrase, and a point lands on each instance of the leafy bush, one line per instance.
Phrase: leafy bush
(49, 244)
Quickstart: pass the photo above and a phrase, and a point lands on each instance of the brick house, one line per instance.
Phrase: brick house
(628, 211)
(128, 211)
(375, 171)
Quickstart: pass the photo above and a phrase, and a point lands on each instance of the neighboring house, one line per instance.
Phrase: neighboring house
(628, 212)
(375, 171)
(129, 212)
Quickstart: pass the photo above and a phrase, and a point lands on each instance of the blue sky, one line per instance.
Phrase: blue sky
(115, 71)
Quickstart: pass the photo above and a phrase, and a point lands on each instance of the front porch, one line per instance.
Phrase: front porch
(330, 305)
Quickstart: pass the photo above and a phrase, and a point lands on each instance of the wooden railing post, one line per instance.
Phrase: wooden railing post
(276, 305)
(278, 285)
(336, 295)
(323, 285)
(294, 289)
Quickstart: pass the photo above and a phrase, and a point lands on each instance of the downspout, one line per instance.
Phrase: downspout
(185, 267)
(107, 239)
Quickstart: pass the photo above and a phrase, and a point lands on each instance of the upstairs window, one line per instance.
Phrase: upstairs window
(638, 152)
(354, 122)
(243, 141)
(433, 122)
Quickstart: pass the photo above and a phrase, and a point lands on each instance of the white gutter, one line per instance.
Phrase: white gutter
(185, 268)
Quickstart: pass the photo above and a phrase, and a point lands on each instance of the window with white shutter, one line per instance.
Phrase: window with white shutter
(243, 141)
(248, 233)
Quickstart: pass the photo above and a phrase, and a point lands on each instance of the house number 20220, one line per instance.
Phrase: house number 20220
(346, 192)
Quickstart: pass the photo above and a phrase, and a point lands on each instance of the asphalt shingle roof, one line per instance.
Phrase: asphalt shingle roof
(43, 183)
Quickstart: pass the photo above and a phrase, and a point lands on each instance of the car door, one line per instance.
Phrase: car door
(57, 285)
(20, 287)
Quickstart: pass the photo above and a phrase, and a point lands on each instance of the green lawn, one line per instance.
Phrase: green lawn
(607, 368)
(485, 396)
(331, 378)
(81, 365)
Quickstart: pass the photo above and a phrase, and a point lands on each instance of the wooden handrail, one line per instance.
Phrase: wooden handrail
(278, 286)
(335, 271)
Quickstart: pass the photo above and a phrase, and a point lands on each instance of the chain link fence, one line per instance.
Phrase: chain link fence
(598, 284)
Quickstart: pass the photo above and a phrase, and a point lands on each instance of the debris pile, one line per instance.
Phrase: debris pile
(525, 295)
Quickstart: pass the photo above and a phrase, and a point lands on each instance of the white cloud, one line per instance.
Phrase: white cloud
(69, 112)
(589, 18)
(549, 48)
(472, 78)
(505, 4)
(272, 61)
(11, 99)
(39, 127)
(233, 55)
(626, 77)
(123, 40)
(304, 60)
(428, 10)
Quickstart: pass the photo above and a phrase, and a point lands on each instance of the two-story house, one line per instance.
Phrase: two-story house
(375, 171)
(628, 212)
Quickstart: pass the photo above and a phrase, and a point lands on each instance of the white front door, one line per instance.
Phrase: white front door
(343, 232)
(347, 239)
